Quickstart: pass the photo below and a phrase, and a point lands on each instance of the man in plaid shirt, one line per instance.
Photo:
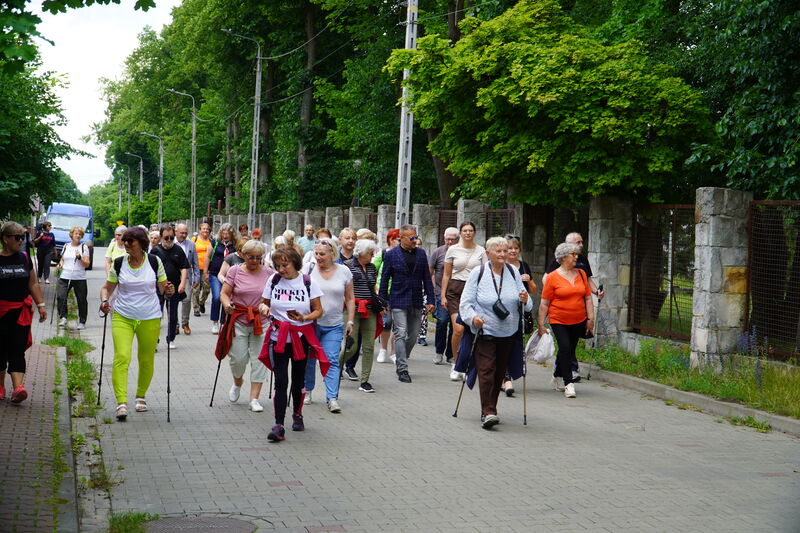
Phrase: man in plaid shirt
(406, 266)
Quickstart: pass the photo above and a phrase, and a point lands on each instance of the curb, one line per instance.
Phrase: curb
(784, 424)
(67, 492)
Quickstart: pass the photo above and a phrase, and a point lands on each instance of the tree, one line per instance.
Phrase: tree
(531, 100)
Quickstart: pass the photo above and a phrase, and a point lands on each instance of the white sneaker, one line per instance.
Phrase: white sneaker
(569, 391)
(333, 406)
(557, 383)
(47, 281)
(438, 359)
(172, 345)
(307, 400)
(215, 328)
(233, 395)
(62, 323)
(255, 405)
(81, 325)
(393, 357)
(454, 374)
(382, 356)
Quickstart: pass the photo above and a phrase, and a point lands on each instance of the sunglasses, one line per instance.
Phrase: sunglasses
(254, 257)
(414, 238)
(170, 238)
(18, 237)
(128, 241)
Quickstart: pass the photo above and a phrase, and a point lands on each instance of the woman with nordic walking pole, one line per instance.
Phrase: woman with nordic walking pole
(137, 278)
(75, 259)
(19, 289)
(491, 302)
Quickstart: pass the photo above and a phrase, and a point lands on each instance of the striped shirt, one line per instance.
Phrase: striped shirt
(363, 287)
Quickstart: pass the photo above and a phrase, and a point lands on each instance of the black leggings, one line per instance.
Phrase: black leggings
(567, 339)
(14, 338)
(280, 367)
(44, 263)
(80, 288)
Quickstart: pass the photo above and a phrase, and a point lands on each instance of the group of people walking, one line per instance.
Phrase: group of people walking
(321, 302)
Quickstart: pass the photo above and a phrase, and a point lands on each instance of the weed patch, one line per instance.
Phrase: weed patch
(129, 522)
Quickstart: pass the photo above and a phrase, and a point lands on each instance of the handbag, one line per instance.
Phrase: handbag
(499, 308)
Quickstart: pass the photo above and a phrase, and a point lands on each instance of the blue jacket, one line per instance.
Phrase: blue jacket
(406, 286)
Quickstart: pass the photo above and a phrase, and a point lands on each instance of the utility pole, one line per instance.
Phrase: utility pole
(194, 154)
(251, 211)
(160, 173)
(141, 175)
(406, 128)
(129, 196)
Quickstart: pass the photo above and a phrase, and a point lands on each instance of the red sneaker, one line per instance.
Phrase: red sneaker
(2, 393)
(19, 395)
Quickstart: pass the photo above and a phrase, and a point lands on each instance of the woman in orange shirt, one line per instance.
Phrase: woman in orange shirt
(567, 298)
(200, 294)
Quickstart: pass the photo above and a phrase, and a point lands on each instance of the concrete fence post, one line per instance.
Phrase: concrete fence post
(314, 218)
(475, 212)
(294, 222)
(333, 220)
(278, 223)
(426, 219)
(359, 217)
(386, 215)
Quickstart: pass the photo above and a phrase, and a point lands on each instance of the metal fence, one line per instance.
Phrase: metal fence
(662, 270)
(372, 222)
(499, 222)
(774, 276)
(448, 218)
(562, 221)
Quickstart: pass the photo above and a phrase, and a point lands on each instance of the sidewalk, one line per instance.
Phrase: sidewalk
(610, 460)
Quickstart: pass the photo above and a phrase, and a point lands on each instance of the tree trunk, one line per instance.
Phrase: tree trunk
(454, 16)
(307, 103)
(228, 165)
(447, 180)
(237, 172)
(266, 116)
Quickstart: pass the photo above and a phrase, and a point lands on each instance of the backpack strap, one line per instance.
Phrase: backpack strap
(307, 282)
(118, 264)
(510, 270)
(152, 259)
(277, 279)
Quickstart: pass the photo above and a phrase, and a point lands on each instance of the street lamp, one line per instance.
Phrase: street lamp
(141, 175)
(194, 150)
(129, 191)
(160, 172)
(251, 213)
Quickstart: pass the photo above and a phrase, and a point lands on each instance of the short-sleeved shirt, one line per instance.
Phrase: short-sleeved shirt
(332, 294)
(115, 251)
(202, 247)
(136, 296)
(567, 303)
(582, 263)
(15, 271)
(247, 287)
(174, 260)
(73, 268)
(436, 263)
(219, 250)
(307, 244)
(46, 243)
(233, 260)
(464, 260)
(288, 295)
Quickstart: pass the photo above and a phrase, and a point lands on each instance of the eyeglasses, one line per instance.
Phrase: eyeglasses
(254, 257)
(18, 237)
(170, 238)
(127, 241)
(451, 238)
(414, 238)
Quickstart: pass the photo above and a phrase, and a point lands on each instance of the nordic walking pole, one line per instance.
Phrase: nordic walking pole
(214, 390)
(168, 384)
(463, 382)
(102, 354)
(270, 384)
(597, 329)
(524, 375)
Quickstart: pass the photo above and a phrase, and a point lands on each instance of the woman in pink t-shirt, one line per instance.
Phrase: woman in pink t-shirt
(241, 298)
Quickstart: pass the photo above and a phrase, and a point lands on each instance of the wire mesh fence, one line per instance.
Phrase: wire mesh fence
(662, 270)
(448, 218)
(774, 276)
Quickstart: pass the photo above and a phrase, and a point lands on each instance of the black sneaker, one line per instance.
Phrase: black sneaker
(202, 309)
(351, 374)
(197, 313)
(404, 377)
(297, 422)
(277, 434)
(366, 387)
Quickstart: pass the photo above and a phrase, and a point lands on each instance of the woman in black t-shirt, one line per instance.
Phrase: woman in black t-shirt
(45, 243)
(19, 288)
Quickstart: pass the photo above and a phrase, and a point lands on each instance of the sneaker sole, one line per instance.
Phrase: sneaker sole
(337, 410)
(275, 438)
(351, 378)
(367, 391)
(489, 424)
(19, 398)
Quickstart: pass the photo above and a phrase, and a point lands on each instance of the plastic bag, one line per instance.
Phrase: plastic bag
(540, 348)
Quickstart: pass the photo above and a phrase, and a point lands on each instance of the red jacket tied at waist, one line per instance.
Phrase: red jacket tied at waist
(25, 315)
(288, 332)
(226, 334)
(362, 308)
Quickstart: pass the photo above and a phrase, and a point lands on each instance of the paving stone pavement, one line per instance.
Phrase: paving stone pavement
(609, 460)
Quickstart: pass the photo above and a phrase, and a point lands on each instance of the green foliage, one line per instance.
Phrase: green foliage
(530, 99)
(73, 346)
(740, 378)
(129, 522)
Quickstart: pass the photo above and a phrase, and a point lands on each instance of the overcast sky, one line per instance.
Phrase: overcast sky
(92, 43)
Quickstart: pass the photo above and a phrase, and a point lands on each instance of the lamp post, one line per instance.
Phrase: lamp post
(129, 191)
(160, 172)
(251, 212)
(141, 175)
(194, 152)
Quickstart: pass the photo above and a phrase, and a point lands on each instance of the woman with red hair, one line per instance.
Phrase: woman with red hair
(392, 240)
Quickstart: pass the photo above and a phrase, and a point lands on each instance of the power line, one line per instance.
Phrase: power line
(450, 12)
(314, 37)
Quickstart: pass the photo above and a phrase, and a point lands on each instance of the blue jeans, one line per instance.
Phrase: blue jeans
(216, 287)
(330, 337)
